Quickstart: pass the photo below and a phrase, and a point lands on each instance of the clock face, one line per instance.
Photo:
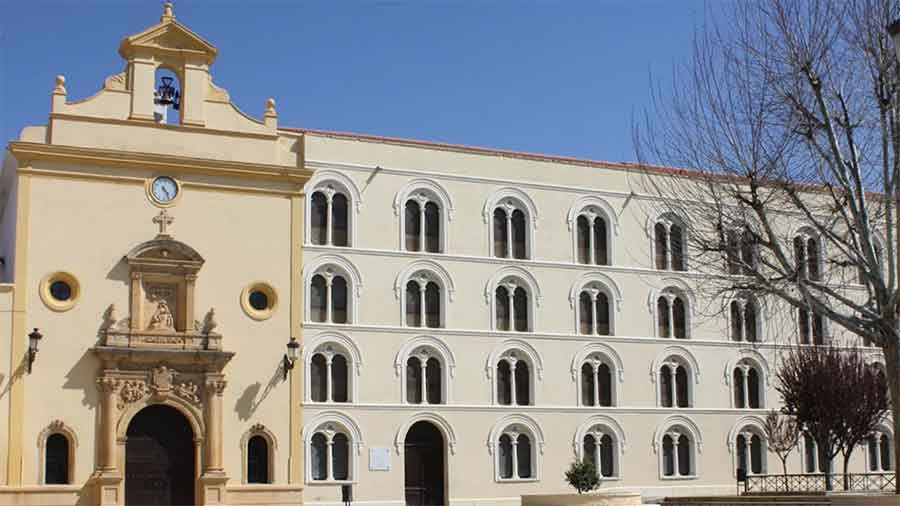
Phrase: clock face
(164, 189)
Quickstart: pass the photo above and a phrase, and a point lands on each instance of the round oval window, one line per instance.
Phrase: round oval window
(60, 290)
(259, 300)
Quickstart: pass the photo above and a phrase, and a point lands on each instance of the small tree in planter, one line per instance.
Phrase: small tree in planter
(582, 475)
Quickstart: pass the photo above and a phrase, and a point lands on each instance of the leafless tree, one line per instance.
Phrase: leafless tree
(868, 407)
(782, 435)
(787, 118)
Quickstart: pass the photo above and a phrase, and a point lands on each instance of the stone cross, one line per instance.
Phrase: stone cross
(163, 220)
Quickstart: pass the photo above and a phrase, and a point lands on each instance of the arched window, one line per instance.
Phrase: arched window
(332, 446)
(511, 223)
(257, 460)
(747, 385)
(674, 384)
(514, 382)
(751, 452)
(811, 327)
(422, 224)
(740, 252)
(808, 256)
(258, 452)
(423, 380)
(596, 381)
(333, 284)
(329, 217)
(880, 452)
(677, 454)
(672, 314)
(599, 449)
(332, 362)
(744, 316)
(669, 244)
(423, 303)
(814, 459)
(329, 376)
(592, 239)
(512, 307)
(56, 460)
(594, 311)
(516, 452)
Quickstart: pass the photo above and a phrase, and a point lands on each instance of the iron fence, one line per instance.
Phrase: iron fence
(817, 482)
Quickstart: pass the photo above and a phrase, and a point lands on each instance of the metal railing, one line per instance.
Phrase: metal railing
(818, 482)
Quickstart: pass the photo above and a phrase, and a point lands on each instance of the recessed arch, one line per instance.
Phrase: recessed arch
(437, 420)
(332, 181)
(524, 420)
(521, 350)
(605, 421)
(592, 205)
(342, 419)
(333, 265)
(341, 343)
(439, 350)
(433, 187)
(57, 427)
(518, 276)
(514, 193)
(747, 424)
(333, 422)
(672, 288)
(752, 356)
(677, 421)
(595, 281)
(603, 349)
(509, 199)
(192, 415)
(679, 352)
(261, 430)
(430, 271)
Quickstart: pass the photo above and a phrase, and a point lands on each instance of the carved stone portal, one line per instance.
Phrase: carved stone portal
(158, 355)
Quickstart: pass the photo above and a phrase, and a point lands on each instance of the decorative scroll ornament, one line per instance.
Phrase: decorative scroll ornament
(188, 391)
(132, 391)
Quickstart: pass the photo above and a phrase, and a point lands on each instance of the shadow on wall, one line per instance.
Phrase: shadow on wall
(248, 402)
(82, 376)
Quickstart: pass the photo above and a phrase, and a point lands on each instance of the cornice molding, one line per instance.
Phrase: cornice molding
(26, 152)
(163, 126)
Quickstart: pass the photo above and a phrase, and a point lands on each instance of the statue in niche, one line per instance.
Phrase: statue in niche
(162, 319)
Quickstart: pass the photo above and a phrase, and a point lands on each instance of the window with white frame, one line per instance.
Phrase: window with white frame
(594, 311)
(422, 223)
(674, 383)
(599, 447)
(592, 237)
(510, 226)
(669, 245)
(744, 318)
(815, 460)
(329, 451)
(422, 302)
(880, 452)
(808, 255)
(740, 252)
(811, 327)
(677, 454)
(747, 385)
(329, 216)
(330, 298)
(512, 306)
(424, 377)
(750, 451)
(672, 314)
(329, 374)
(514, 379)
(516, 453)
(597, 381)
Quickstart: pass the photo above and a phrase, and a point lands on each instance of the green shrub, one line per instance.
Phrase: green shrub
(582, 475)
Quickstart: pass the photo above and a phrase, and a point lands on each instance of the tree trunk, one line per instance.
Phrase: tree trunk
(892, 364)
(847, 469)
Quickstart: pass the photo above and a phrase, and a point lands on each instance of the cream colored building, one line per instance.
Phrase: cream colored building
(167, 266)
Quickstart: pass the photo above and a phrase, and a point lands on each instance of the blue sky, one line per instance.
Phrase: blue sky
(560, 78)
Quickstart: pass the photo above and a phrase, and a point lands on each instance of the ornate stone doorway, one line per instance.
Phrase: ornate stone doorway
(159, 458)
(424, 465)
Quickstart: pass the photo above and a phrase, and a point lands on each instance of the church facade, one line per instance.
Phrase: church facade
(201, 307)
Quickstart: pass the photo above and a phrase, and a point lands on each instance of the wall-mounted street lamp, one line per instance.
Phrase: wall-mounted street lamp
(33, 339)
(287, 362)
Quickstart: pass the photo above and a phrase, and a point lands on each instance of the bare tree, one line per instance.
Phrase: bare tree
(782, 436)
(788, 117)
(869, 406)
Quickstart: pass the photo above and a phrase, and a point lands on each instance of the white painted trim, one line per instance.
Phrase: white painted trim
(611, 358)
(694, 434)
(758, 362)
(756, 425)
(683, 291)
(686, 358)
(344, 344)
(435, 272)
(607, 285)
(523, 277)
(611, 426)
(350, 429)
(436, 193)
(532, 356)
(603, 209)
(440, 422)
(342, 184)
(442, 352)
(343, 266)
(533, 430)
(520, 200)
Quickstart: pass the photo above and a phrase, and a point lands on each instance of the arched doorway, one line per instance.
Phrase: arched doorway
(159, 458)
(424, 465)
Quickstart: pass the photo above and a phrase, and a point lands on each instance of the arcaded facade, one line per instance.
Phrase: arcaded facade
(236, 312)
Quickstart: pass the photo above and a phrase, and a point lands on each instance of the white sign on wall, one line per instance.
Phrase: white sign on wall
(379, 459)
